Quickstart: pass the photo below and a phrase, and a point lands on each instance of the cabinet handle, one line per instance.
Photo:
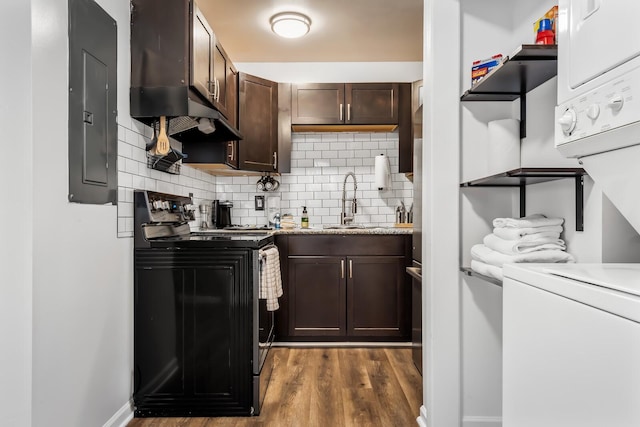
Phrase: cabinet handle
(350, 269)
(232, 151)
(210, 83)
(342, 269)
(217, 90)
(275, 160)
(348, 112)
(341, 111)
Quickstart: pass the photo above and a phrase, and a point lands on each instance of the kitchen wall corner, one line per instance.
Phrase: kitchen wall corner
(133, 173)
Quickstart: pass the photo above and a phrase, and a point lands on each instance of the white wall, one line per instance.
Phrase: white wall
(440, 217)
(82, 293)
(318, 167)
(16, 272)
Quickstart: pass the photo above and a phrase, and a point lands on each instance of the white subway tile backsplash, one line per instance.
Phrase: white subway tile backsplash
(135, 174)
(329, 137)
(319, 162)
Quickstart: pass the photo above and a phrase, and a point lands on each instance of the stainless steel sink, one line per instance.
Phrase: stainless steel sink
(350, 226)
(342, 226)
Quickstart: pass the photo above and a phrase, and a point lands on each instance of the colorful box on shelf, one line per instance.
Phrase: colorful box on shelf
(482, 67)
(547, 28)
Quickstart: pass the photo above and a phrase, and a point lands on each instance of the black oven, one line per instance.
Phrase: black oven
(191, 352)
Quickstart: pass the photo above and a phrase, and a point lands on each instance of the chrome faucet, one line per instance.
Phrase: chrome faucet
(344, 218)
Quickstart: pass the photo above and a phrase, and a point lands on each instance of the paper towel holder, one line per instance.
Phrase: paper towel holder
(382, 172)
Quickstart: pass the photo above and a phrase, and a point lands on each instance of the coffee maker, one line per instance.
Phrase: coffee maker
(221, 213)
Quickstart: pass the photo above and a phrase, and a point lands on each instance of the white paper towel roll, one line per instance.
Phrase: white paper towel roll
(504, 145)
(382, 172)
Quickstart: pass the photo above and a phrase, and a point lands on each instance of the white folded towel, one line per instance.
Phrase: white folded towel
(508, 233)
(270, 277)
(487, 255)
(535, 220)
(521, 246)
(486, 269)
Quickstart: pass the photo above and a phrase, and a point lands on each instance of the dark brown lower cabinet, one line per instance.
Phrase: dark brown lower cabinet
(318, 305)
(375, 296)
(344, 288)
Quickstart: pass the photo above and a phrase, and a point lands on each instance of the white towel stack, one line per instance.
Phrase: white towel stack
(533, 238)
(270, 277)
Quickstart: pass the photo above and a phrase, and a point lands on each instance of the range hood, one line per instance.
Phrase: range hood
(190, 120)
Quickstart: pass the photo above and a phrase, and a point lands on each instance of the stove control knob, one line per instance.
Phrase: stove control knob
(189, 207)
(568, 121)
(157, 204)
(166, 205)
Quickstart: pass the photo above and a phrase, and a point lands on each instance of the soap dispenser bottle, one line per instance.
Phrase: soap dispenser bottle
(304, 221)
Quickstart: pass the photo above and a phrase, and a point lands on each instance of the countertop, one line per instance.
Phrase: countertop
(371, 230)
(317, 230)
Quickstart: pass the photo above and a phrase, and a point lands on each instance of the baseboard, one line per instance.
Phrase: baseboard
(481, 421)
(422, 419)
(122, 417)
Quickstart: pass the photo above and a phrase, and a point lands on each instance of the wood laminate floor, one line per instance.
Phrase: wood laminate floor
(329, 387)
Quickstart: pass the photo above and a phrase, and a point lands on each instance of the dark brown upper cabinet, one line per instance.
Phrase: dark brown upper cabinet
(410, 123)
(202, 43)
(258, 122)
(345, 104)
(222, 74)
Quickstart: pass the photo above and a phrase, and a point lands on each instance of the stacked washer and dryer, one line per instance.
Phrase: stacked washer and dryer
(571, 333)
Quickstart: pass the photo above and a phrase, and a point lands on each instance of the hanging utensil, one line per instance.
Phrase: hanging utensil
(163, 146)
(151, 145)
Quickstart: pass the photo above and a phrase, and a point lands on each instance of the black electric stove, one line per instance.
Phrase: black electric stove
(162, 220)
(201, 334)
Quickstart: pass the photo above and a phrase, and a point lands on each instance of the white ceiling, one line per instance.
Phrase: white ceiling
(341, 30)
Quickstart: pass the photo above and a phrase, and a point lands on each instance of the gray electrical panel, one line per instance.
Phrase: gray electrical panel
(93, 128)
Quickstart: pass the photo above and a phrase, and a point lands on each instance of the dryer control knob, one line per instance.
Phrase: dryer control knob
(593, 111)
(616, 102)
(568, 121)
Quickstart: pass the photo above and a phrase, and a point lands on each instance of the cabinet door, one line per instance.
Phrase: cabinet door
(376, 296)
(220, 334)
(409, 124)
(231, 154)
(371, 103)
(201, 55)
(221, 67)
(159, 334)
(317, 104)
(317, 304)
(258, 123)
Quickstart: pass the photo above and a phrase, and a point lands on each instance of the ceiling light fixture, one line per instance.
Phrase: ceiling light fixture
(290, 25)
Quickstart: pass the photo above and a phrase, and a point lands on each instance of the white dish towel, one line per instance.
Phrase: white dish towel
(522, 246)
(529, 233)
(486, 269)
(535, 220)
(270, 277)
(487, 255)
